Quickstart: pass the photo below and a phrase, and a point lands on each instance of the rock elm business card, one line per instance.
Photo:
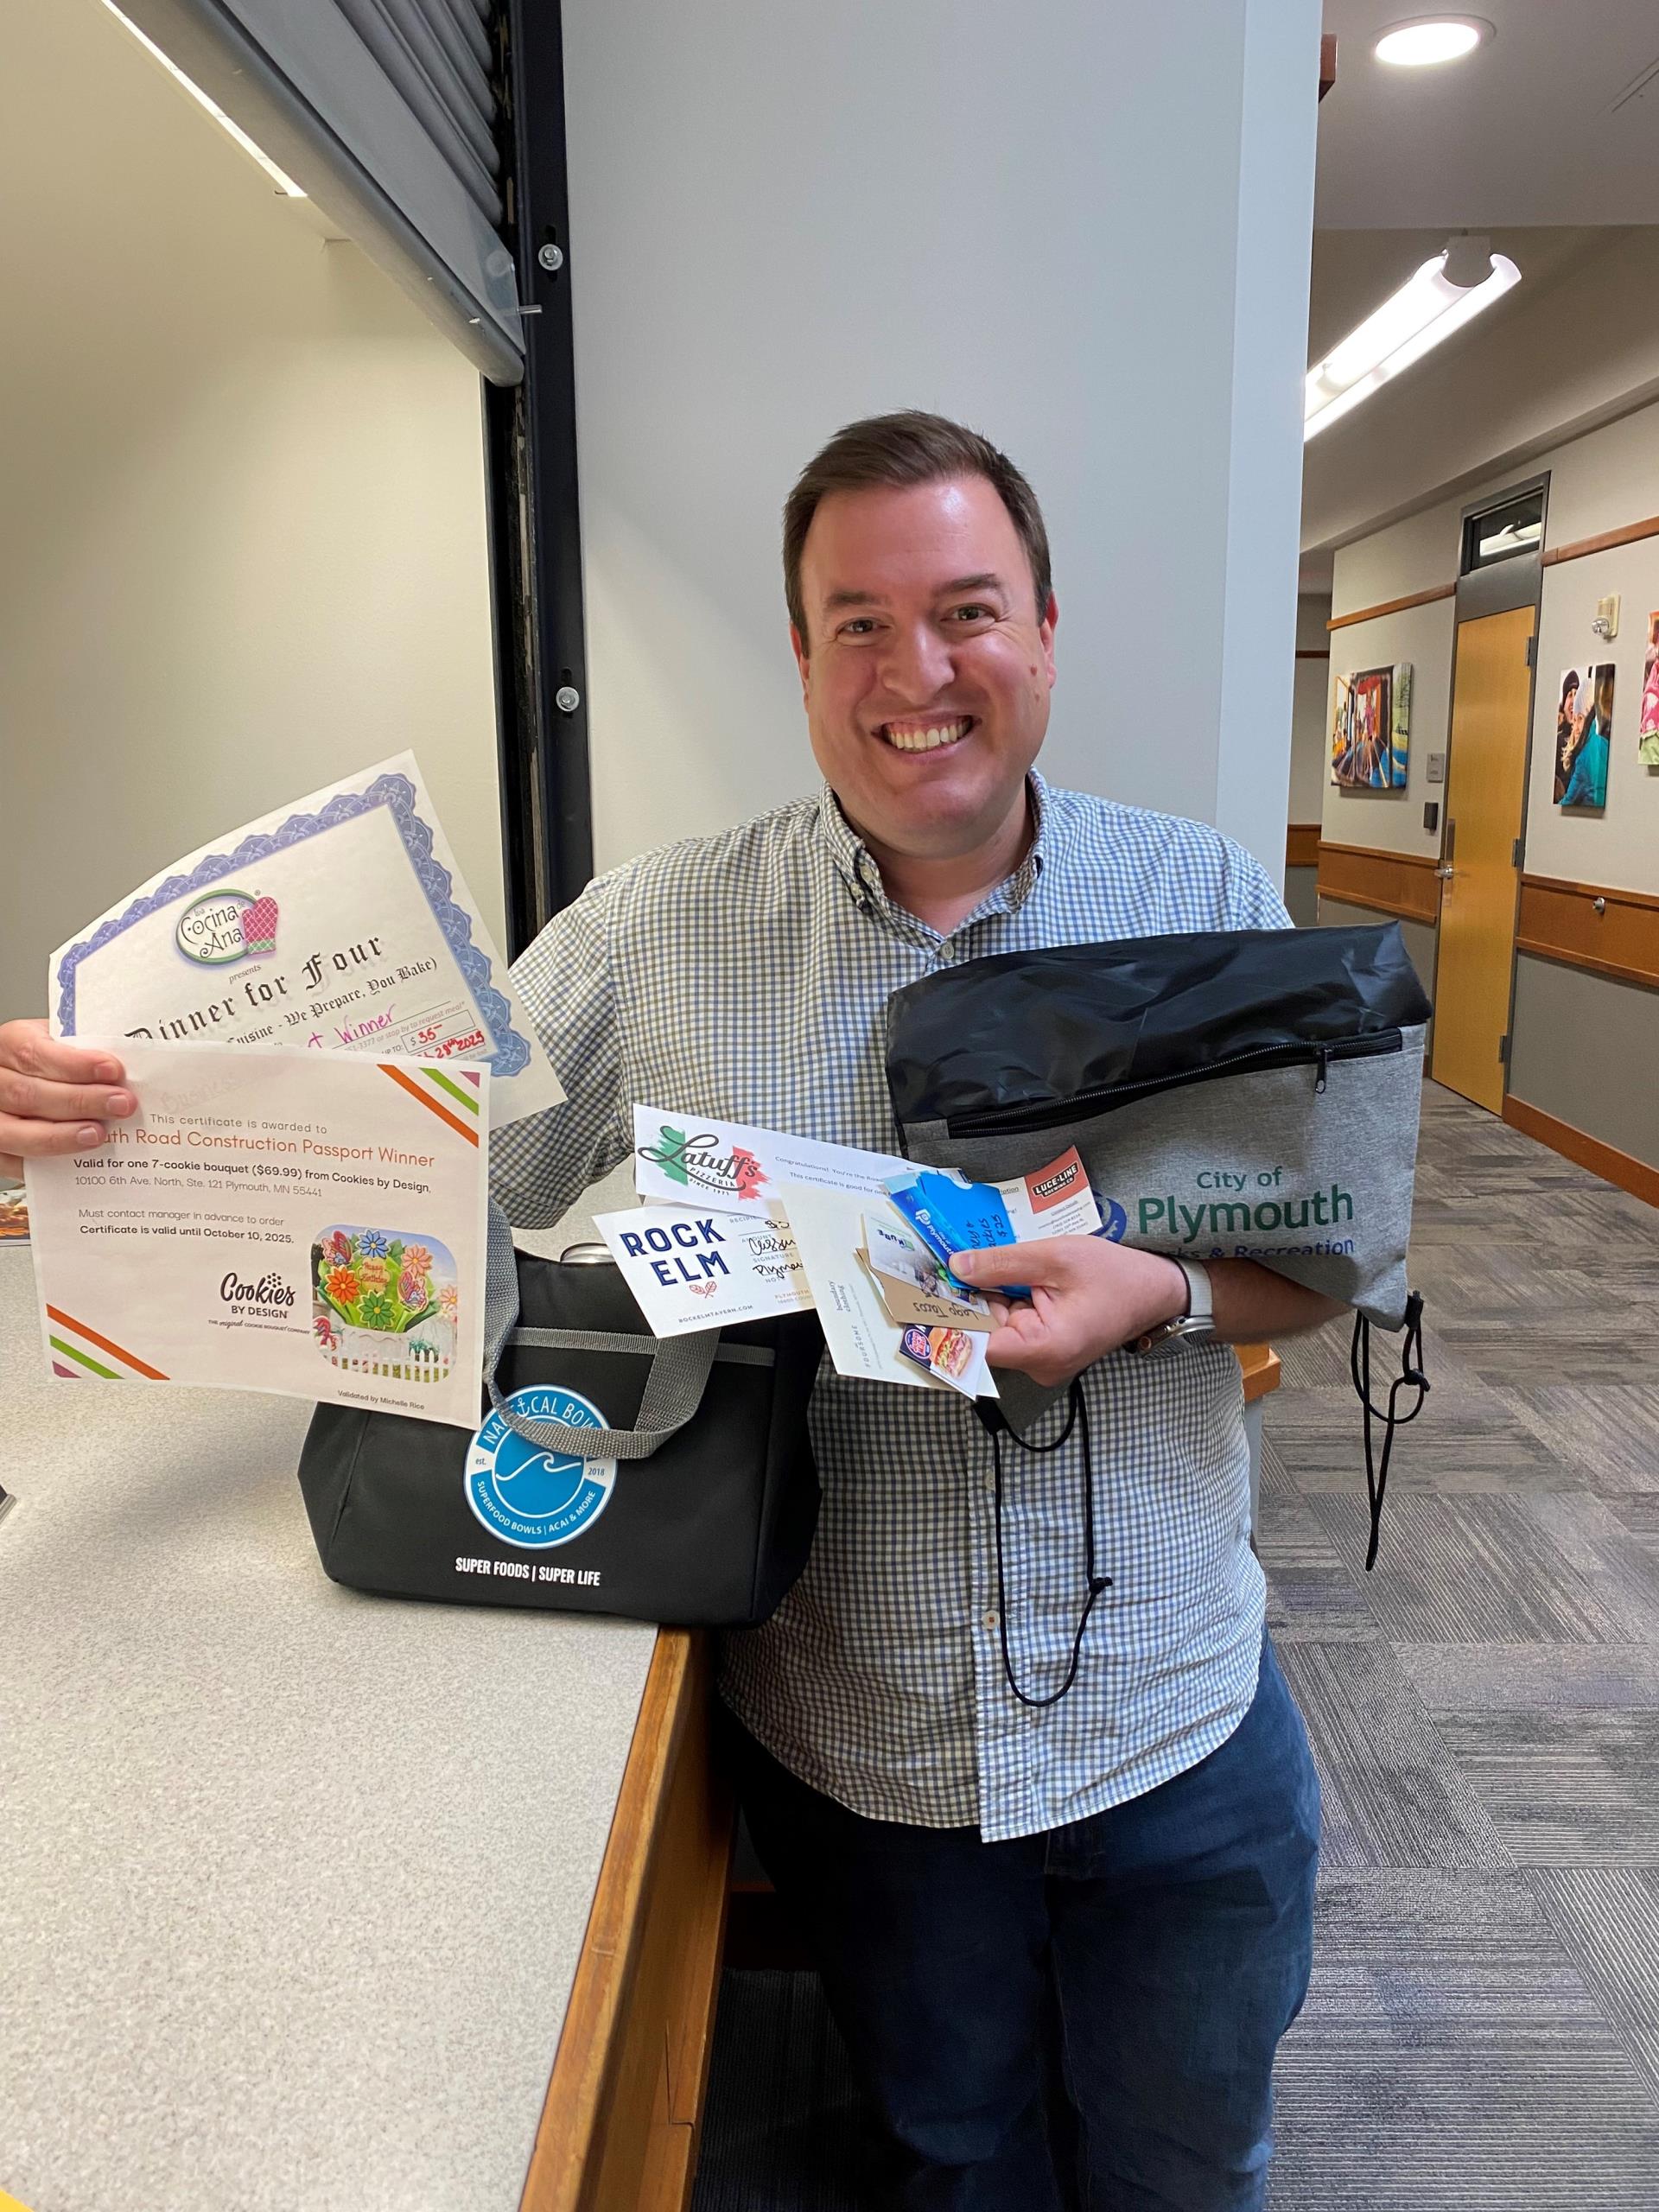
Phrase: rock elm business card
(700, 1270)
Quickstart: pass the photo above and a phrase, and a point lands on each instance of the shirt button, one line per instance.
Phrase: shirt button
(990, 1620)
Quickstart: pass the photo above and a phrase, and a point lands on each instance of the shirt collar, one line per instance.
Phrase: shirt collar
(857, 866)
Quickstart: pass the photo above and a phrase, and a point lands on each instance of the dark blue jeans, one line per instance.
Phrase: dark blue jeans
(1151, 1957)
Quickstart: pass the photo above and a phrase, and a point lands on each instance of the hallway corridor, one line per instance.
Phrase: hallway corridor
(1483, 2030)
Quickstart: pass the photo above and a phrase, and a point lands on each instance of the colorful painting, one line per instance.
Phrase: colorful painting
(1583, 735)
(1647, 735)
(1371, 728)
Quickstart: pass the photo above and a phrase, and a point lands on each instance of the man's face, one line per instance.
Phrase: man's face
(925, 670)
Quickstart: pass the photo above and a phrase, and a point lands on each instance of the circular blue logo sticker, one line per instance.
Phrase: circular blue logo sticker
(530, 1498)
(1113, 1219)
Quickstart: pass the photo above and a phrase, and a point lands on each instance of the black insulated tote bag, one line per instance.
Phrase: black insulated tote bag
(665, 1480)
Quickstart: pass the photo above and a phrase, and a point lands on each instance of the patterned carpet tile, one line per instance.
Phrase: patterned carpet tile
(1608, 1437)
(1393, 1795)
(1312, 1596)
(1318, 1361)
(1456, 2055)
(1620, 1280)
(1533, 1677)
(1608, 1919)
(1479, 1570)
(1639, 1515)
(1463, 1220)
(1465, 1438)
(1312, 1592)
(1541, 2124)
(1605, 1222)
(1412, 1958)
(1565, 1788)
(1526, 1350)
(1500, 1278)
(1596, 1544)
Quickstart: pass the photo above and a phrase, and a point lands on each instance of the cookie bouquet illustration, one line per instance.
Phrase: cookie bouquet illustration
(384, 1304)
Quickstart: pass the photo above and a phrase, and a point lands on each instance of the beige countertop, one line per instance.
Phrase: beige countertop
(293, 1881)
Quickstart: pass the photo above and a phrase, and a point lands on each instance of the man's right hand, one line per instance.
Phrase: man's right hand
(54, 1096)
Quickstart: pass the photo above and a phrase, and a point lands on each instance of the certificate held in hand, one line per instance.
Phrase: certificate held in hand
(313, 1225)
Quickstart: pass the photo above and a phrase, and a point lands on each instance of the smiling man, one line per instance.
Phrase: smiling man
(1089, 1896)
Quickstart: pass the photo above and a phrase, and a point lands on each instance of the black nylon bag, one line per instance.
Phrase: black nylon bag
(1246, 1094)
(1249, 1093)
(709, 1530)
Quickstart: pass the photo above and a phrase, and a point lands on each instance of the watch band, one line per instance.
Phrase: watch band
(1198, 1322)
(1200, 1293)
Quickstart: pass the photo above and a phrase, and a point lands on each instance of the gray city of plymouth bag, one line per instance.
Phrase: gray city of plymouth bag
(1240, 1094)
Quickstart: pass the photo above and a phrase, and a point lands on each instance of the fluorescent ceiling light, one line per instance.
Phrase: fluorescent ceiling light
(1427, 39)
(1511, 537)
(1425, 311)
(280, 178)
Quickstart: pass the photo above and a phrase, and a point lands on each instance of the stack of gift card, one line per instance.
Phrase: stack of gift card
(741, 1222)
(937, 1318)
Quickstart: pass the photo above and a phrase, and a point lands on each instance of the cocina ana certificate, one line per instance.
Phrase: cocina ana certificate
(269, 1221)
(339, 923)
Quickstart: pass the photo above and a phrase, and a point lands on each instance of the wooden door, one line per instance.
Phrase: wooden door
(1485, 793)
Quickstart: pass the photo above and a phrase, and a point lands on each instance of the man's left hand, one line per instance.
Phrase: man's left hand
(1087, 1298)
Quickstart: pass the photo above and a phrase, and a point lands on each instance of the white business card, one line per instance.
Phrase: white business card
(700, 1270)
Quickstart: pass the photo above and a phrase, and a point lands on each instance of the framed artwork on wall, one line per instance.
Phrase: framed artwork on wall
(1584, 734)
(1371, 728)
(1647, 734)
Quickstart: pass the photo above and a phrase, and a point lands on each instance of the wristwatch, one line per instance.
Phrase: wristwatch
(1199, 1320)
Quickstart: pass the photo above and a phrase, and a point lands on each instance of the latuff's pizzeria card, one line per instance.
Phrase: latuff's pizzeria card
(311, 1223)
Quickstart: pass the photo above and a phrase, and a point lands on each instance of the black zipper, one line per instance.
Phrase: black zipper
(998, 1120)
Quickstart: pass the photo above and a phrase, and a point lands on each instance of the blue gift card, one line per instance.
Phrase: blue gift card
(950, 1216)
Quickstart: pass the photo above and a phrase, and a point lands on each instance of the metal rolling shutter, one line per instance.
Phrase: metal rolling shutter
(384, 112)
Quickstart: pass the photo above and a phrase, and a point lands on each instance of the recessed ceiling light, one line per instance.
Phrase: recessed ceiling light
(1425, 40)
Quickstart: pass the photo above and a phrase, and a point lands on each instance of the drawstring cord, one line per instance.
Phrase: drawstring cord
(990, 1416)
(1411, 1376)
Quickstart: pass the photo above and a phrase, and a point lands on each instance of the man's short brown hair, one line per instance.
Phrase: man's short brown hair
(896, 451)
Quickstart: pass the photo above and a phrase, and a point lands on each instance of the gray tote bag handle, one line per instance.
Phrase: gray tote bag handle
(679, 1368)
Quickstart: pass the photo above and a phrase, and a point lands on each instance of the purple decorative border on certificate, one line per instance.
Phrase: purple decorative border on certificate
(396, 794)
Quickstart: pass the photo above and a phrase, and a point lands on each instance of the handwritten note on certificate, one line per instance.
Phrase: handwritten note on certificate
(310, 1224)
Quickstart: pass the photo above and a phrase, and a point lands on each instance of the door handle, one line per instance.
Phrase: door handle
(1445, 874)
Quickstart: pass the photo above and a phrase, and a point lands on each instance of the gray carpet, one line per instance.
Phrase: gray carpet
(1483, 2030)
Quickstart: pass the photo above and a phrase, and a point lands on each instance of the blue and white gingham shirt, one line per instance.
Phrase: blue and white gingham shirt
(745, 976)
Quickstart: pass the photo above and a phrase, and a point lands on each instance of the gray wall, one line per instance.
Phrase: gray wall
(243, 541)
(1586, 1049)
(1302, 896)
(1084, 230)
(1421, 937)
